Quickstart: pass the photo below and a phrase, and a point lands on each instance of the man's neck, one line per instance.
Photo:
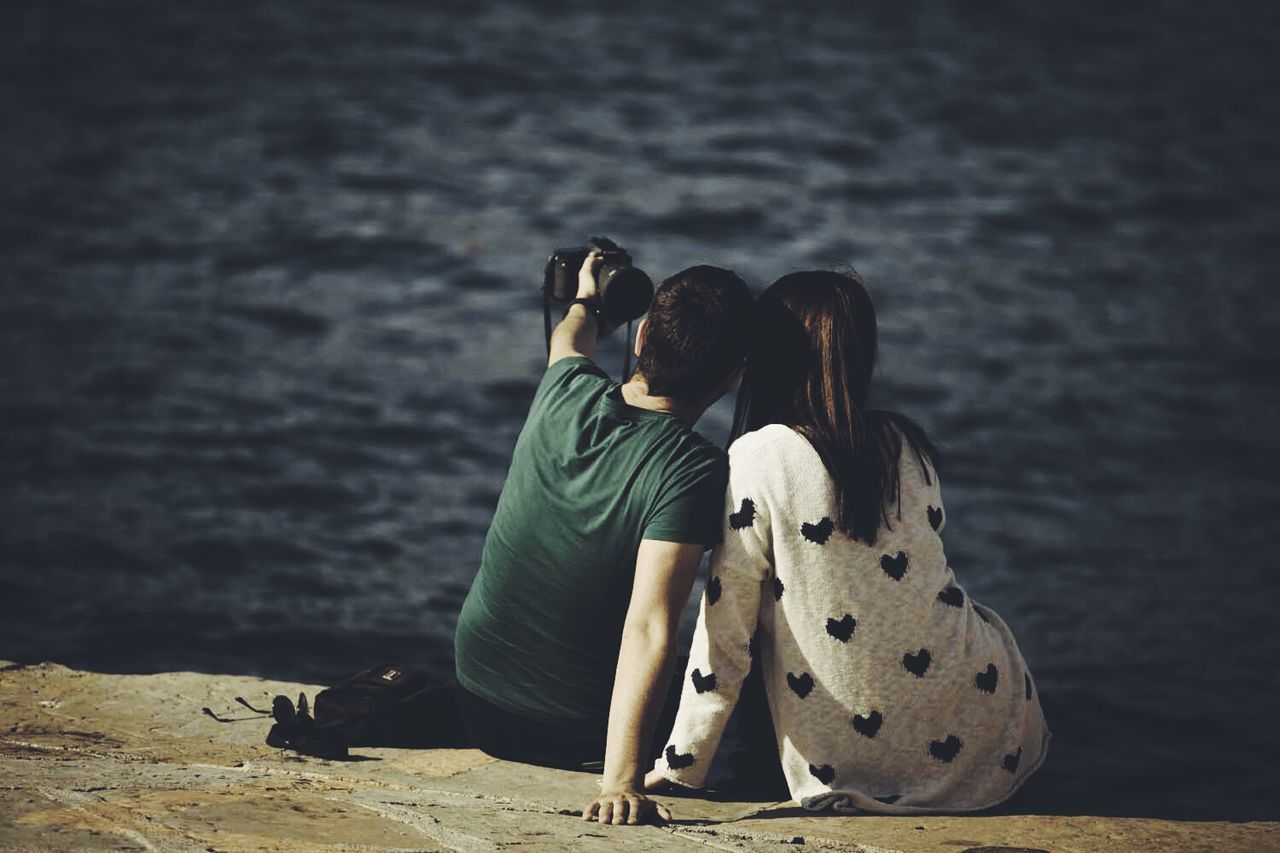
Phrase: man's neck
(635, 392)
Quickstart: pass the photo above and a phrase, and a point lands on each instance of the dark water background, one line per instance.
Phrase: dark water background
(269, 319)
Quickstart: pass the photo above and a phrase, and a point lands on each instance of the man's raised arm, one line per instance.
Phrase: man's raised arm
(578, 332)
(664, 577)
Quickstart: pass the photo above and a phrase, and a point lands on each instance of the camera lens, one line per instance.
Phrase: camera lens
(625, 292)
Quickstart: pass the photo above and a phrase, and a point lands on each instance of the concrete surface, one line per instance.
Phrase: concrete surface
(129, 762)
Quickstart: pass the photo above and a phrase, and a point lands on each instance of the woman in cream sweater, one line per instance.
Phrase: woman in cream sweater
(890, 689)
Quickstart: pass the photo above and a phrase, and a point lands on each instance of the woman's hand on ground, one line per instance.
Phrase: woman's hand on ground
(629, 807)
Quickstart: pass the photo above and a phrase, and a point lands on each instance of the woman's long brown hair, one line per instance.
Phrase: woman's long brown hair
(810, 366)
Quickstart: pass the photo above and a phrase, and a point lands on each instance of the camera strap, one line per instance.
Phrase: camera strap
(546, 318)
(626, 354)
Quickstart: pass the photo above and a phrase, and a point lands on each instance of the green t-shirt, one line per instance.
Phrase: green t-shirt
(591, 476)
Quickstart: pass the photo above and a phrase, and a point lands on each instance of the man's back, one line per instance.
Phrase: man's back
(591, 477)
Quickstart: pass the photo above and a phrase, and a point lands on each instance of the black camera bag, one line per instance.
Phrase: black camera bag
(384, 706)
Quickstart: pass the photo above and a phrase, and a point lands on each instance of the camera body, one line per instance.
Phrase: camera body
(624, 290)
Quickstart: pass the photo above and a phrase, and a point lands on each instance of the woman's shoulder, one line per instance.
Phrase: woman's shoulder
(771, 438)
(773, 452)
(775, 466)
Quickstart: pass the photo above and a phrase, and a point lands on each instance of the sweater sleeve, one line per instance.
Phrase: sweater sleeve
(720, 655)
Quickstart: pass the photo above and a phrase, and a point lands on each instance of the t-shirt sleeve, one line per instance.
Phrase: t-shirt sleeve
(689, 509)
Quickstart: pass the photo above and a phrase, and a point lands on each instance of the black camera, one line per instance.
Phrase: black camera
(624, 290)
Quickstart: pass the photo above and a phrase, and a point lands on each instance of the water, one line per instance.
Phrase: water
(269, 319)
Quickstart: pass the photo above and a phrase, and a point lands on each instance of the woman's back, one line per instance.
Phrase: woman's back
(889, 689)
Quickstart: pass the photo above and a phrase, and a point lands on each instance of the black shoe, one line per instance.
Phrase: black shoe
(296, 730)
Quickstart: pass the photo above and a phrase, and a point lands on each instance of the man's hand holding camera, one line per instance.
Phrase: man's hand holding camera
(588, 295)
(609, 288)
(587, 288)
(583, 323)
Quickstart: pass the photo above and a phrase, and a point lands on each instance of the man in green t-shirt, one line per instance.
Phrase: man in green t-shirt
(566, 643)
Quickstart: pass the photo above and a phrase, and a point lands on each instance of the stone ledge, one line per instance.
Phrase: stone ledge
(97, 762)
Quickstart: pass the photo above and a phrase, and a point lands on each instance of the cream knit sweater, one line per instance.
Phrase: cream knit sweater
(890, 689)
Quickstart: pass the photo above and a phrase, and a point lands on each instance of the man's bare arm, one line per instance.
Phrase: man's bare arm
(664, 577)
(578, 331)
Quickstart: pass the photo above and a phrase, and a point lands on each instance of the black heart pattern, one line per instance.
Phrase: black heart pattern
(744, 517)
(870, 724)
(1026, 677)
(678, 761)
(935, 517)
(918, 663)
(888, 799)
(894, 567)
(713, 590)
(800, 685)
(986, 680)
(1011, 760)
(703, 683)
(842, 628)
(952, 596)
(777, 588)
(817, 533)
(823, 774)
(946, 750)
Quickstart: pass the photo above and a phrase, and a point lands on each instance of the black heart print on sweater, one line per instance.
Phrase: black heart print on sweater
(987, 679)
(678, 761)
(842, 628)
(896, 566)
(952, 596)
(946, 750)
(713, 590)
(869, 725)
(703, 683)
(744, 517)
(817, 533)
(823, 774)
(800, 685)
(917, 663)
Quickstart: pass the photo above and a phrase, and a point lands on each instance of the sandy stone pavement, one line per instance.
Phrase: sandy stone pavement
(130, 762)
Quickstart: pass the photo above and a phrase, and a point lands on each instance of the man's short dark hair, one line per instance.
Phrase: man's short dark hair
(696, 334)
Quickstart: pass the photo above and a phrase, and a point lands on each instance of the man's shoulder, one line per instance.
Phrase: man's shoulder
(695, 450)
(567, 379)
(564, 370)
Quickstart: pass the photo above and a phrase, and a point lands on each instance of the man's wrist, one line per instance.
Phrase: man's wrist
(590, 307)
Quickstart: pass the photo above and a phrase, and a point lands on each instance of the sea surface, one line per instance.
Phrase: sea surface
(270, 319)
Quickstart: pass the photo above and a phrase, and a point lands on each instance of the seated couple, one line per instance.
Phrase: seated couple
(881, 685)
